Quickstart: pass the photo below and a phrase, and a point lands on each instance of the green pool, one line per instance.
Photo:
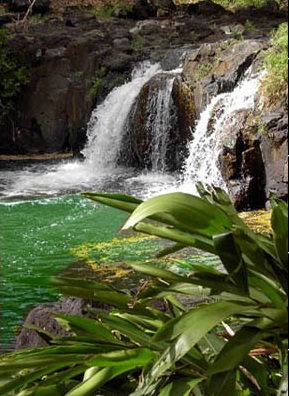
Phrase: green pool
(38, 240)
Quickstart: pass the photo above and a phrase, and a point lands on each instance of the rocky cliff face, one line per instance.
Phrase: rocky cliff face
(76, 58)
(253, 159)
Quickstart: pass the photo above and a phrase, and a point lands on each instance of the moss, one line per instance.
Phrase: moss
(95, 83)
(138, 43)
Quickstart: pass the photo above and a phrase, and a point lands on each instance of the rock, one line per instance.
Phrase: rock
(205, 7)
(274, 147)
(241, 163)
(174, 128)
(213, 70)
(42, 317)
(142, 10)
(41, 6)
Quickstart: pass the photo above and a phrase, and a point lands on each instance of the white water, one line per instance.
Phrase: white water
(215, 121)
(158, 124)
(106, 126)
(99, 172)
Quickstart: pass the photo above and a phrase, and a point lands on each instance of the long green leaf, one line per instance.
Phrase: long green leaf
(208, 279)
(186, 332)
(105, 375)
(182, 387)
(129, 357)
(118, 201)
(236, 350)
(232, 259)
(128, 329)
(187, 213)
(279, 223)
(182, 238)
(223, 384)
(200, 319)
(85, 326)
(21, 381)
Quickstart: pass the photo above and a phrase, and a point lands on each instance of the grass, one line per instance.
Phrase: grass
(275, 85)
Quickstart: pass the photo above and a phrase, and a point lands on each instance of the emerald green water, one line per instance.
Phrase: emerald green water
(37, 240)
(66, 235)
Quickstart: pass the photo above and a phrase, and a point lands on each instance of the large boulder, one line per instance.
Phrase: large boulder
(159, 126)
(254, 158)
(241, 162)
(214, 69)
(43, 318)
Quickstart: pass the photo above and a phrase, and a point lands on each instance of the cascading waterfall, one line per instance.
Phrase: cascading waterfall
(106, 127)
(214, 123)
(108, 137)
(159, 123)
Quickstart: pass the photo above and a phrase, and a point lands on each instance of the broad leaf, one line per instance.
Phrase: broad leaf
(186, 212)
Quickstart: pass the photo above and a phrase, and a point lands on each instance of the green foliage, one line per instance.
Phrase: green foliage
(218, 335)
(242, 3)
(14, 76)
(276, 62)
(138, 43)
(96, 83)
(108, 11)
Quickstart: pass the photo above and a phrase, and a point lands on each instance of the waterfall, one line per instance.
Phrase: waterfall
(216, 123)
(161, 115)
(106, 127)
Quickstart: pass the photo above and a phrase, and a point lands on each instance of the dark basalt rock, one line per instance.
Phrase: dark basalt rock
(43, 318)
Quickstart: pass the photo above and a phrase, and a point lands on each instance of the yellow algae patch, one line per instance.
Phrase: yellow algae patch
(116, 250)
(107, 259)
(258, 220)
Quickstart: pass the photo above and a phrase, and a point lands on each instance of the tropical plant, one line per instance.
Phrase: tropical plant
(211, 332)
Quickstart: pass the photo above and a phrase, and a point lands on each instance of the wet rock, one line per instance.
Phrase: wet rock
(163, 108)
(241, 163)
(274, 146)
(213, 69)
